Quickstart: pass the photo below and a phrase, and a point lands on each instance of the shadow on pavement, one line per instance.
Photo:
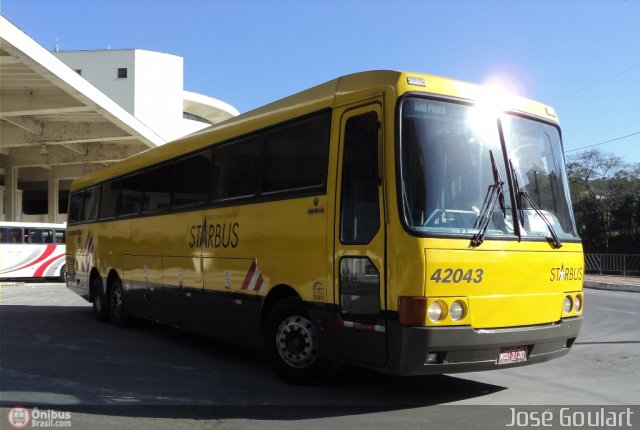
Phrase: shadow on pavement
(61, 358)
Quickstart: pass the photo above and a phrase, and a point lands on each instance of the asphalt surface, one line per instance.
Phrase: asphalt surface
(55, 356)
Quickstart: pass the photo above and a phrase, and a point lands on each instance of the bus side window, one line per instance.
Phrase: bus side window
(295, 156)
(91, 203)
(34, 235)
(130, 198)
(47, 236)
(157, 190)
(192, 176)
(15, 235)
(235, 169)
(108, 200)
(59, 236)
(360, 210)
(75, 206)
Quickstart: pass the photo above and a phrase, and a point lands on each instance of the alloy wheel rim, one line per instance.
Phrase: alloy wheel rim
(297, 342)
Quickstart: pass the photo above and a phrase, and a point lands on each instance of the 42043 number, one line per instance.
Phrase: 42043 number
(457, 276)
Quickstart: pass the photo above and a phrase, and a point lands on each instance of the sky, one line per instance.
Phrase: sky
(580, 56)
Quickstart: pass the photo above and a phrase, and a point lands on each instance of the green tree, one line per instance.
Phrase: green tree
(606, 198)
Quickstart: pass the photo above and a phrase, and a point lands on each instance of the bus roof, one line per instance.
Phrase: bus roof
(344, 89)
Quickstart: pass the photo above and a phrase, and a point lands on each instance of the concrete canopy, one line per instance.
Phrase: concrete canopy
(51, 116)
(54, 124)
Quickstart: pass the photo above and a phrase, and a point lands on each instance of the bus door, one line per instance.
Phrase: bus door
(359, 265)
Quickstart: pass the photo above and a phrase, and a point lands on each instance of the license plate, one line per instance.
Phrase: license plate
(512, 355)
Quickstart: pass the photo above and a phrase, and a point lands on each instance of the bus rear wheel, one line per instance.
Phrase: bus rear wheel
(63, 274)
(116, 304)
(100, 308)
(292, 344)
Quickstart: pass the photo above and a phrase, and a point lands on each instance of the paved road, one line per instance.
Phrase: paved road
(55, 355)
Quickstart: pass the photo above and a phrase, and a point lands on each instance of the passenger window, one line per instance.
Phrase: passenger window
(47, 236)
(59, 236)
(109, 199)
(192, 179)
(157, 193)
(130, 198)
(360, 211)
(37, 235)
(235, 169)
(295, 156)
(15, 235)
(75, 206)
(91, 203)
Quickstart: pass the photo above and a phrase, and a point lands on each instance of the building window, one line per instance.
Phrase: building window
(122, 72)
(194, 117)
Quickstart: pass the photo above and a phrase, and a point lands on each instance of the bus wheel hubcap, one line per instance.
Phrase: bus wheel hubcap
(297, 342)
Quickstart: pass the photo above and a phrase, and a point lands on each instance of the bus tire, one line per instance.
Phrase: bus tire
(100, 308)
(116, 304)
(63, 274)
(292, 345)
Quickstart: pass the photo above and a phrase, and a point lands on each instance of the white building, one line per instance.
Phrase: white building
(64, 114)
(148, 85)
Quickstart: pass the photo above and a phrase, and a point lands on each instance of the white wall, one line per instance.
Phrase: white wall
(101, 69)
(152, 91)
(158, 92)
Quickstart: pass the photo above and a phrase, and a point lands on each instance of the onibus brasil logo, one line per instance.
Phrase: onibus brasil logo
(20, 417)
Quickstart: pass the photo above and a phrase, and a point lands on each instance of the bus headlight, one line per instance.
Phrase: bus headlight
(456, 311)
(577, 303)
(567, 305)
(435, 311)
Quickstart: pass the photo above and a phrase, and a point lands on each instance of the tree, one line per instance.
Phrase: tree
(606, 199)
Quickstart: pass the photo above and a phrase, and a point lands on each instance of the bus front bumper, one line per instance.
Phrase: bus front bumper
(437, 350)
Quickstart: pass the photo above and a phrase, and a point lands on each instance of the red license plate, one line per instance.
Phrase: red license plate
(512, 355)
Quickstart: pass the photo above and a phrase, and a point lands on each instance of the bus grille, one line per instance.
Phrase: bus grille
(71, 269)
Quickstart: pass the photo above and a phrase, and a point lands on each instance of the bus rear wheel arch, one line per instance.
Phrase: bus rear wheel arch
(292, 344)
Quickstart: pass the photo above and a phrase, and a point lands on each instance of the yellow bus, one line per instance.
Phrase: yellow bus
(403, 222)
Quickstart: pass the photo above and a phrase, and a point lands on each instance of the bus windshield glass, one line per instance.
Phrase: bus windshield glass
(455, 178)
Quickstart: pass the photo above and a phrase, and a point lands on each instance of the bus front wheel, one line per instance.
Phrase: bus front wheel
(292, 345)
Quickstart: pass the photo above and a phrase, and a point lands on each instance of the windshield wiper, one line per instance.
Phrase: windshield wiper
(495, 193)
(522, 196)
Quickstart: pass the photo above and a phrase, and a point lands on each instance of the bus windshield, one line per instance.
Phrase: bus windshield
(454, 175)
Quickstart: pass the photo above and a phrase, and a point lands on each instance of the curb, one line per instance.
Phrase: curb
(611, 287)
(12, 284)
